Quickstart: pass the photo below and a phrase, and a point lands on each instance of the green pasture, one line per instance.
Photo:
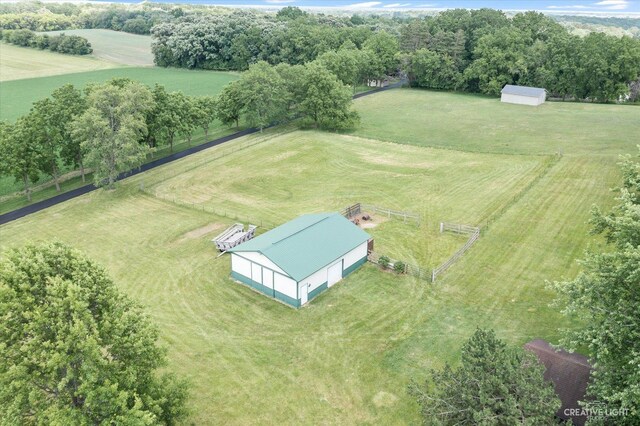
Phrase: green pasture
(116, 46)
(24, 62)
(18, 95)
(476, 123)
(349, 356)
(329, 172)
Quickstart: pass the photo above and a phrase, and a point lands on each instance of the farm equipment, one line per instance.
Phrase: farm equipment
(234, 235)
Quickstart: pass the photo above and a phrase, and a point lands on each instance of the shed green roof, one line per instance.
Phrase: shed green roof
(308, 243)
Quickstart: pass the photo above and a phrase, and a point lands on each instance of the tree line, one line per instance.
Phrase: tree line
(37, 16)
(109, 128)
(468, 50)
(113, 127)
(69, 44)
(481, 51)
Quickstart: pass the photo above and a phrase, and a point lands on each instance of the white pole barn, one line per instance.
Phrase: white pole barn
(302, 258)
(523, 95)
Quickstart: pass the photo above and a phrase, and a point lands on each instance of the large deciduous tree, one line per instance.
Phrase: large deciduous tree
(205, 113)
(605, 297)
(46, 136)
(229, 104)
(69, 103)
(262, 94)
(381, 50)
(111, 128)
(345, 63)
(499, 58)
(74, 350)
(430, 69)
(21, 158)
(326, 102)
(494, 385)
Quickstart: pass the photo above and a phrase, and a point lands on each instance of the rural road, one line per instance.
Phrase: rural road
(60, 198)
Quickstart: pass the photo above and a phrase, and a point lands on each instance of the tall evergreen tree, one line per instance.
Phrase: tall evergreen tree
(494, 385)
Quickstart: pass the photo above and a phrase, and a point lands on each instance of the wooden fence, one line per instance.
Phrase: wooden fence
(409, 268)
(210, 209)
(351, 211)
(474, 234)
(405, 216)
(152, 179)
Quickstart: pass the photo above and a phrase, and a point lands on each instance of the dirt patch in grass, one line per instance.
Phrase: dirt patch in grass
(372, 221)
(384, 399)
(200, 232)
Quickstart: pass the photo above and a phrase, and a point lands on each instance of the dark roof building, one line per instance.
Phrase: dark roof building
(569, 373)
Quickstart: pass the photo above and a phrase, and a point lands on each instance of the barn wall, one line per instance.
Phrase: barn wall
(262, 260)
(352, 261)
(354, 256)
(285, 285)
(542, 98)
(240, 265)
(520, 100)
(264, 279)
(255, 270)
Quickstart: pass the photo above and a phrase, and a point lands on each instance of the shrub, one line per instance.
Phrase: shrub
(20, 37)
(384, 262)
(41, 41)
(399, 267)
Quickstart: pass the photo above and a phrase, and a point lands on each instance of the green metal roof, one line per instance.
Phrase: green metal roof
(308, 243)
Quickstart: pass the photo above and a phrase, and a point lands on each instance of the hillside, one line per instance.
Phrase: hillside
(116, 46)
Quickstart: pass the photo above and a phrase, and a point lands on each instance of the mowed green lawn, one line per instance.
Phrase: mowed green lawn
(328, 172)
(23, 62)
(18, 95)
(116, 46)
(482, 124)
(349, 356)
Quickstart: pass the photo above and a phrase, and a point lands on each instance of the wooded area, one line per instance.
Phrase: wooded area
(467, 50)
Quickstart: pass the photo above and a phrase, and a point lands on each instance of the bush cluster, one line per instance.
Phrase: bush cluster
(68, 44)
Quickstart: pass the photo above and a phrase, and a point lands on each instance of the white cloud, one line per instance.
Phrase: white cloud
(364, 5)
(573, 6)
(613, 4)
(397, 5)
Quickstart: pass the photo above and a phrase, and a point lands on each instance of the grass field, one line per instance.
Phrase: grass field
(476, 123)
(325, 171)
(116, 46)
(349, 356)
(11, 191)
(18, 95)
(23, 62)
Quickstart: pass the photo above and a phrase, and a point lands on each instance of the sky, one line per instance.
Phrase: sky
(608, 7)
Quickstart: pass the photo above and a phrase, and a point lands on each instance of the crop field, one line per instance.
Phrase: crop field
(116, 46)
(349, 356)
(18, 95)
(23, 62)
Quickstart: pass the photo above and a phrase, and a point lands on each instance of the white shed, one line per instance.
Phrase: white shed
(523, 95)
(300, 259)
